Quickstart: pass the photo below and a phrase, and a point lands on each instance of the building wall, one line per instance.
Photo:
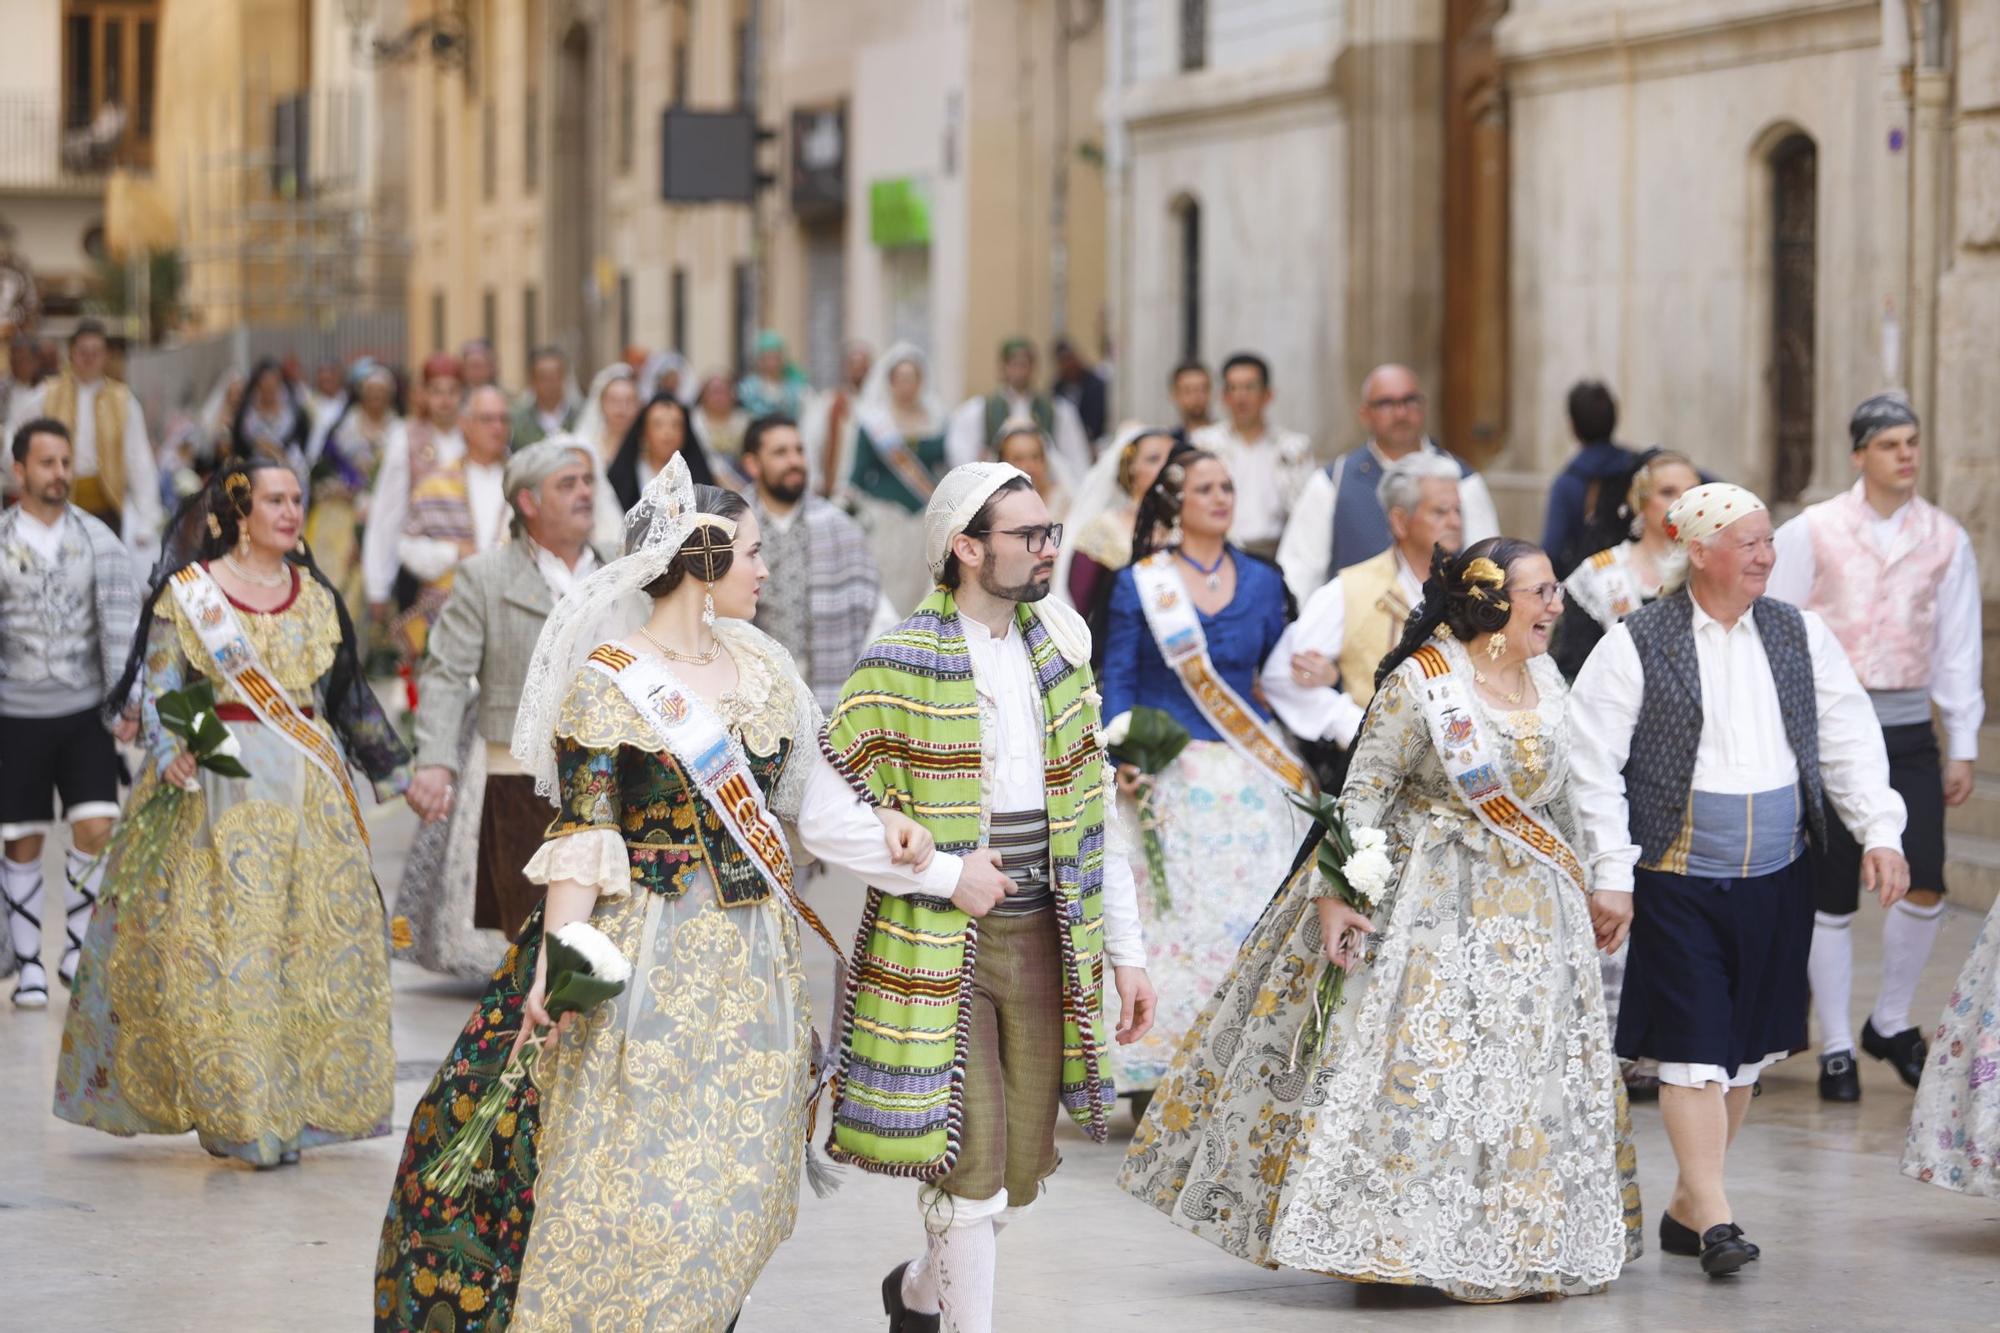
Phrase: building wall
(48, 211)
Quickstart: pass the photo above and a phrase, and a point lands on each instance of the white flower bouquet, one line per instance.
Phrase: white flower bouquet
(146, 832)
(1149, 739)
(584, 970)
(1355, 864)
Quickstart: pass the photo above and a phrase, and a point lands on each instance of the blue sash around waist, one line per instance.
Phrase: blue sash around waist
(1739, 835)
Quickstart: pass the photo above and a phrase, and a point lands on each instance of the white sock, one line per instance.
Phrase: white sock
(1831, 967)
(22, 883)
(964, 1259)
(1908, 931)
(86, 873)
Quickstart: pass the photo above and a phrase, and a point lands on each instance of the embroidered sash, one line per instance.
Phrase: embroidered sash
(1176, 627)
(207, 608)
(1604, 586)
(887, 440)
(714, 761)
(1475, 769)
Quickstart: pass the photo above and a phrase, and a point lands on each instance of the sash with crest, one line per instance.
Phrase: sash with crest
(1474, 768)
(1176, 627)
(896, 455)
(714, 761)
(207, 608)
(1606, 587)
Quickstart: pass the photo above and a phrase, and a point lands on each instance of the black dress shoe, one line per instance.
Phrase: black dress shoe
(1678, 1238)
(1839, 1080)
(902, 1319)
(1723, 1250)
(1907, 1050)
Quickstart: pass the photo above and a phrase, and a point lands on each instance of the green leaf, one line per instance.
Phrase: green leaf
(1154, 740)
(223, 764)
(579, 993)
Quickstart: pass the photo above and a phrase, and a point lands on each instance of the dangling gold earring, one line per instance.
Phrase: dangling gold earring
(1496, 647)
(214, 526)
(708, 606)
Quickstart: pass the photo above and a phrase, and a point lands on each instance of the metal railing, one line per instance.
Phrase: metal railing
(39, 152)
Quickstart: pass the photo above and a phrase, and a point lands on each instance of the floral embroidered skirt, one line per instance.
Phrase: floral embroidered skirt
(1229, 834)
(1954, 1136)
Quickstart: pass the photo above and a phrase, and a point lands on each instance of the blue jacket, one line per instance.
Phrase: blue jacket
(1593, 462)
(1240, 636)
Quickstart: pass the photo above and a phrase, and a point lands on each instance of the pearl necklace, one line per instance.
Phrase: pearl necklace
(713, 651)
(281, 579)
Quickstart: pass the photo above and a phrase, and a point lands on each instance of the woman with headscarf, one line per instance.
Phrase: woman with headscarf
(719, 423)
(270, 420)
(660, 432)
(608, 409)
(649, 1173)
(1191, 621)
(774, 384)
(898, 457)
(235, 980)
(1452, 1117)
(343, 477)
(1097, 538)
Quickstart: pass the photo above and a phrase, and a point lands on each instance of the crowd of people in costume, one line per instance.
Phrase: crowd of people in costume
(1115, 724)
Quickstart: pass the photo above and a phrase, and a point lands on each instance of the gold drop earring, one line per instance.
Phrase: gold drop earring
(708, 606)
(1496, 647)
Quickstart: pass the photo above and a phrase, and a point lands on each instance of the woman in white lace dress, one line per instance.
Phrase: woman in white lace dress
(1461, 1126)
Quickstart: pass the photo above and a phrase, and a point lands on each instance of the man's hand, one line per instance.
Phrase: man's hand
(1340, 927)
(125, 728)
(431, 793)
(1312, 668)
(1611, 918)
(1136, 1002)
(1958, 782)
(910, 843)
(981, 886)
(1885, 874)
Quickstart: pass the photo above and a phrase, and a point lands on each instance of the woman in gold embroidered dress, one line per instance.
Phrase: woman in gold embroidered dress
(1461, 1127)
(237, 983)
(673, 1118)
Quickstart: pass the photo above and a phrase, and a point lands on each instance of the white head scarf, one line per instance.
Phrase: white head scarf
(591, 424)
(1707, 509)
(1100, 493)
(956, 502)
(605, 604)
(875, 408)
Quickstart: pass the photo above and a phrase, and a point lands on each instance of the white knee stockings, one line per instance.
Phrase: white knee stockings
(956, 1271)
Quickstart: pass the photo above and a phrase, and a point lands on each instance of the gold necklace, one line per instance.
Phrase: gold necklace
(282, 578)
(713, 651)
(1512, 699)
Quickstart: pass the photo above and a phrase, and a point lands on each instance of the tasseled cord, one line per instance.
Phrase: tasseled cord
(822, 1172)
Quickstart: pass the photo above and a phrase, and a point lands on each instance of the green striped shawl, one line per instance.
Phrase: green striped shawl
(907, 735)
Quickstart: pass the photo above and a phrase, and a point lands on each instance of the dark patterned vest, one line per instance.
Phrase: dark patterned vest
(1659, 775)
(1360, 525)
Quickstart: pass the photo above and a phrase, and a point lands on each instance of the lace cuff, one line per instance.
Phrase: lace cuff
(594, 858)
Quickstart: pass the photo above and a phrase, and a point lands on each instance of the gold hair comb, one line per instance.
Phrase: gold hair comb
(1482, 572)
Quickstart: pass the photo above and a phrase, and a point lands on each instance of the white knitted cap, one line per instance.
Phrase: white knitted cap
(956, 502)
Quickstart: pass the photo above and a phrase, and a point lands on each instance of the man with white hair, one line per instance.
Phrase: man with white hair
(1337, 520)
(463, 895)
(1321, 675)
(1712, 730)
(973, 1006)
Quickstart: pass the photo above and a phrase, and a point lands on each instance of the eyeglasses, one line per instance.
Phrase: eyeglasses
(1409, 402)
(1546, 593)
(1037, 539)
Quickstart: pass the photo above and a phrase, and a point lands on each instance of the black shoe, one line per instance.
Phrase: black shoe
(1723, 1250)
(1677, 1238)
(902, 1319)
(1839, 1080)
(1907, 1051)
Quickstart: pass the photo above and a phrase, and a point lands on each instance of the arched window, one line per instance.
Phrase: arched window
(1187, 227)
(1794, 175)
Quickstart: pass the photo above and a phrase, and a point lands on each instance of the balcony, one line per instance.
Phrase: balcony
(40, 155)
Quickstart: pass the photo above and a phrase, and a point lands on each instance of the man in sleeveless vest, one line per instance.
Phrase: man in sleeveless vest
(430, 440)
(115, 478)
(1268, 463)
(67, 612)
(1321, 675)
(973, 1010)
(975, 426)
(1895, 580)
(1337, 521)
(1715, 729)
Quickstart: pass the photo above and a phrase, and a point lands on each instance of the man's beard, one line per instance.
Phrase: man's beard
(55, 493)
(1033, 590)
(790, 490)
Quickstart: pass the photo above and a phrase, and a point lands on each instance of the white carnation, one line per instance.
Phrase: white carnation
(231, 748)
(606, 962)
(1370, 839)
(1368, 873)
(1115, 734)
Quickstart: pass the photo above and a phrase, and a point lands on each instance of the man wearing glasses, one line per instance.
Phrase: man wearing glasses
(1338, 521)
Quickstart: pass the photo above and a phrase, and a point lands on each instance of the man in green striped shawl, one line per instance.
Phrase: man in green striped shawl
(969, 1019)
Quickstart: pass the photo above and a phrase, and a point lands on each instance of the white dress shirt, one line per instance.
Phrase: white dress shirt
(390, 506)
(1269, 470)
(560, 577)
(965, 434)
(1956, 645)
(141, 517)
(430, 557)
(44, 539)
(1306, 550)
(1322, 712)
(1008, 693)
(1742, 748)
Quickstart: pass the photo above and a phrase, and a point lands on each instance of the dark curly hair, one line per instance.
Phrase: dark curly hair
(1466, 606)
(1160, 506)
(707, 553)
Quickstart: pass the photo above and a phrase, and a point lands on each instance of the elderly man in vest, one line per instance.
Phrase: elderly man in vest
(1336, 519)
(1712, 732)
(463, 895)
(1321, 675)
(974, 1012)
(1896, 582)
(117, 481)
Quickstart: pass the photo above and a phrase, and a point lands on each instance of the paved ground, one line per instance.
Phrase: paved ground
(151, 1234)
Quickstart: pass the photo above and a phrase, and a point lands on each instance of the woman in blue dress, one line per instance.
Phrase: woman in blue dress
(1190, 623)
